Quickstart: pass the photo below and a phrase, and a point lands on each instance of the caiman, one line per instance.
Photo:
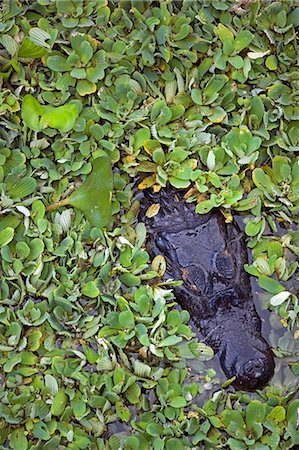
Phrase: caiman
(209, 254)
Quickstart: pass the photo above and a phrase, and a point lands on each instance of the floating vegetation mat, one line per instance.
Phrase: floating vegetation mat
(100, 100)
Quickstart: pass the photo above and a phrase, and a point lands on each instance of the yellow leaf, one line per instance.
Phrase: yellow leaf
(147, 182)
(153, 210)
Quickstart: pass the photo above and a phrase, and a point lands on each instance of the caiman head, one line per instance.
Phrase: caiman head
(250, 359)
(235, 333)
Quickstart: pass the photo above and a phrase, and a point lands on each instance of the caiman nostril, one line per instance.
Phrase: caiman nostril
(254, 368)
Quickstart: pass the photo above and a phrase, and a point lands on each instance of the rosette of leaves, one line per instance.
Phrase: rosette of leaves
(241, 145)
(77, 14)
(16, 183)
(82, 67)
(215, 98)
(279, 185)
(172, 165)
(14, 54)
(232, 45)
(120, 101)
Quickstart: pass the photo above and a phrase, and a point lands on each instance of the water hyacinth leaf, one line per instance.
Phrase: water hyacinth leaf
(9, 43)
(86, 87)
(31, 112)
(93, 198)
(255, 412)
(178, 402)
(90, 290)
(126, 319)
(170, 340)
(279, 298)
(59, 402)
(270, 285)
(6, 236)
(22, 188)
(18, 440)
(58, 63)
(242, 40)
(30, 50)
(62, 118)
(39, 37)
(142, 135)
(227, 38)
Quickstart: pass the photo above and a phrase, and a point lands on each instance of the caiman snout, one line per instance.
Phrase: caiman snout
(251, 362)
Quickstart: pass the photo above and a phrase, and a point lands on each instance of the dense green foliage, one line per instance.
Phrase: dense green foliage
(200, 94)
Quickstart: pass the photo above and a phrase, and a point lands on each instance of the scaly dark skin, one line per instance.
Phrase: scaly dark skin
(209, 255)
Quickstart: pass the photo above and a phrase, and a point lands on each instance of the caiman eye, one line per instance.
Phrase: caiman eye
(162, 244)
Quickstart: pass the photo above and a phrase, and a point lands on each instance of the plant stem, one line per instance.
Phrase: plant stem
(57, 205)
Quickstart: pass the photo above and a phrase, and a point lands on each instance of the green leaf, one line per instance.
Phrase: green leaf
(129, 279)
(39, 37)
(170, 340)
(263, 182)
(6, 236)
(22, 188)
(79, 407)
(41, 431)
(90, 290)
(59, 403)
(85, 52)
(277, 414)
(93, 198)
(9, 221)
(178, 402)
(31, 112)
(255, 412)
(154, 429)
(62, 118)
(227, 38)
(242, 40)
(133, 393)
(10, 44)
(271, 62)
(30, 50)
(126, 319)
(257, 109)
(270, 285)
(236, 61)
(58, 63)
(141, 135)
(85, 87)
(122, 411)
(253, 227)
(18, 440)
